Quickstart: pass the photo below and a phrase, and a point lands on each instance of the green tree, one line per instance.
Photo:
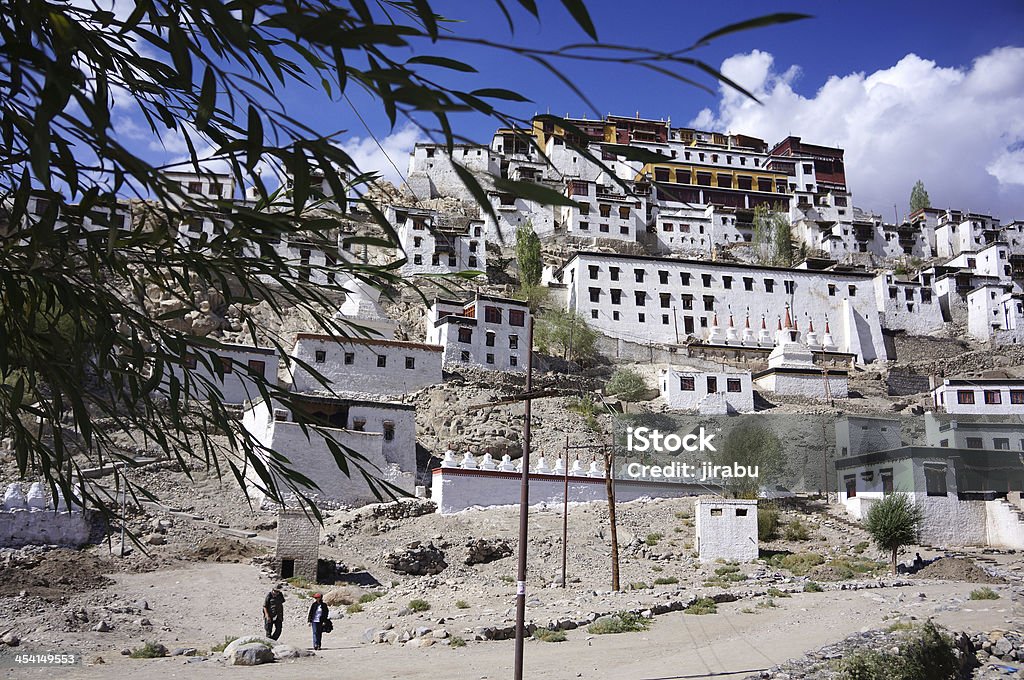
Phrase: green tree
(626, 384)
(528, 256)
(772, 239)
(893, 523)
(919, 197)
(213, 76)
(751, 445)
(567, 334)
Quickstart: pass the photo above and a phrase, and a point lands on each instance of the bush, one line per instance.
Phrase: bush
(767, 603)
(369, 597)
(767, 521)
(221, 646)
(623, 622)
(548, 635)
(639, 585)
(666, 581)
(924, 653)
(985, 593)
(461, 604)
(652, 539)
(354, 608)
(812, 587)
(419, 605)
(299, 582)
(704, 605)
(775, 592)
(797, 563)
(861, 547)
(796, 531)
(456, 641)
(154, 650)
(892, 523)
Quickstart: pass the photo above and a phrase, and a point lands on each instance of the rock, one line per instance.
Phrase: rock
(418, 560)
(184, 651)
(143, 605)
(439, 634)
(10, 639)
(421, 631)
(142, 622)
(285, 652)
(155, 539)
(126, 652)
(252, 654)
(102, 627)
(482, 550)
(422, 642)
(229, 651)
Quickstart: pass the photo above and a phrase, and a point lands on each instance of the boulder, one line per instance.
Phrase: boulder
(285, 652)
(483, 550)
(10, 639)
(252, 654)
(418, 560)
(229, 651)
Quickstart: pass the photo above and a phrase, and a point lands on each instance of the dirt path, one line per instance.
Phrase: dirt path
(215, 600)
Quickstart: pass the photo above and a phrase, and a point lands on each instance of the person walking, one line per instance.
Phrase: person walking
(273, 612)
(318, 617)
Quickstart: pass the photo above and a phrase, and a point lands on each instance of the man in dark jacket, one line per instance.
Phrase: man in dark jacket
(318, 616)
(273, 612)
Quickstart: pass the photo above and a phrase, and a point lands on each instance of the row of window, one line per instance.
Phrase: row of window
(320, 357)
(359, 425)
(639, 275)
(471, 261)
(998, 443)
(908, 293)
(603, 228)
(465, 357)
(687, 383)
(228, 366)
(466, 337)
(605, 210)
(990, 396)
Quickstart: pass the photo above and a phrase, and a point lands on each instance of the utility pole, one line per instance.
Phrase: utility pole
(565, 513)
(675, 323)
(609, 485)
(524, 512)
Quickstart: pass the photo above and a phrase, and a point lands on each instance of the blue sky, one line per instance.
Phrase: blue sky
(929, 90)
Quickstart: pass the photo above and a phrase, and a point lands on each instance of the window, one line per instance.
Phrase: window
(613, 272)
(320, 356)
(664, 319)
(1017, 396)
(389, 431)
(489, 339)
(712, 384)
(195, 187)
(716, 512)
(417, 259)
(965, 396)
(733, 385)
(604, 209)
(382, 361)
(584, 208)
(359, 424)
(516, 317)
(410, 362)
(975, 443)
(639, 274)
(790, 286)
(616, 296)
(451, 259)
(853, 291)
(851, 485)
(417, 242)
(257, 366)
(513, 342)
(490, 358)
(466, 335)
(472, 261)
(687, 301)
(666, 300)
(769, 285)
(226, 365)
(727, 282)
(464, 357)
(350, 358)
(686, 383)
(584, 226)
(748, 283)
(615, 316)
(706, 280)
(623, 212)
(513, 361)
(593, 314)
(594, 269)
(492, 314)
(709, 303)
(993, 397)
(741, 512)
(663, 277)
(604, 228)
(935, 479)
(640, 298)
(190, 362)
(1001, 444)
(684, 278)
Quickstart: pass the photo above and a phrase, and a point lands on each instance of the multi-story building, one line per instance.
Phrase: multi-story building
(489, 332)
(979, 396)
(647, 299)
(229, 374)
(435, 243)
(709, 393)
(995, 313)
(909, 306)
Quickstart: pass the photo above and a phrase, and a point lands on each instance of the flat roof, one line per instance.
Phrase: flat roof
(367, 341)
(713, 263)
(972, 457)
(976, 382)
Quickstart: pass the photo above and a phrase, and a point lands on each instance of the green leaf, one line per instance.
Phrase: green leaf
(207, 98)
(426, 15)
(534, 192)
(443, 62)
(578, 10)
(254, 140)
(500, 93)
(758, 22)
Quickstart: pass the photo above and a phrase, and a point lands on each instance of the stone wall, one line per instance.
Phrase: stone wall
(904, 382)
(298, 542)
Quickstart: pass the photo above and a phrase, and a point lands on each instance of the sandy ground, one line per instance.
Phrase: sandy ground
(729, 644)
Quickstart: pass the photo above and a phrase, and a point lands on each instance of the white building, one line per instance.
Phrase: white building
(363, 365)
(490, 332)
(709, 393)
(653, 299)
(383, 434)
(907, 305)
(995, 314)
(229, 373)
(980, 396)
(958, 232)
(726, 529)
(431, 174)
(791, 370)
(435, 243)
(604, 211)
(976, 433)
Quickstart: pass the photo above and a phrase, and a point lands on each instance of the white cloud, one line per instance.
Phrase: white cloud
(398, 145)
(960, 130)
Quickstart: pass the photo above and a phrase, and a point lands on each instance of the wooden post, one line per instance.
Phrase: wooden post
(609, 484)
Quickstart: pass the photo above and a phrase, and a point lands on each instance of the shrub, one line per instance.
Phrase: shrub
(461, 604)
(548, 635)
(924, 653)
(861, 547)
(299, 582)
(797, 563)
(221, 646)
(666, 581)
(683, 514)
(775, 592)
(506, 578)
(456, 641)
(369, 597)
(796, 531)
(656, 569)
(767, 521)
(652, 539)
(704, 605)
(354, 608)
(419, 605)
(812, 587)
(623, 622)
(153, 650)
(767, 603)
(985, 593)
(639, 585)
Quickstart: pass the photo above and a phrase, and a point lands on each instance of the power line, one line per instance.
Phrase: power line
(380, 146)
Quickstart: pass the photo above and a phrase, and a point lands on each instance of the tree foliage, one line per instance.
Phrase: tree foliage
(626, 384)
(567, 334)
(528, 256)
(893, 523)
(214, 77)
(919, 197)
(772, 239)
(751, 445)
